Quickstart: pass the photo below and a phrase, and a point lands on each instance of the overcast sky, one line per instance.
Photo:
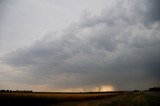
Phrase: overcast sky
(79, 45)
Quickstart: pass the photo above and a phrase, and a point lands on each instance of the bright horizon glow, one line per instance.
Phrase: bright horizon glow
(104, 88)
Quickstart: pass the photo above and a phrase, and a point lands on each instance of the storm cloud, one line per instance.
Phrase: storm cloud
(120, 47)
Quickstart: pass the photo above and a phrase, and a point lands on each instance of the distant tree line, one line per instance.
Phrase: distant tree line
(154, 89)
(23, 91)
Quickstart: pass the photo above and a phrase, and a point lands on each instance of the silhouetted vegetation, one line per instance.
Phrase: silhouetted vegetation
(154, 89)
(136, 91)
(22, 91)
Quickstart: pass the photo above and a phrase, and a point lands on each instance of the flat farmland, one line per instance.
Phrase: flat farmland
(80, 99)
(130, 99)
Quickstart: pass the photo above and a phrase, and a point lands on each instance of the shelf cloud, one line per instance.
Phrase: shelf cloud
(119, 48)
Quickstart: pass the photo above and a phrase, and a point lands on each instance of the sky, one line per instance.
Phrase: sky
(79, 45)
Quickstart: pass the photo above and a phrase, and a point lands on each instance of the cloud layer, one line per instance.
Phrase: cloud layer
(120, 47)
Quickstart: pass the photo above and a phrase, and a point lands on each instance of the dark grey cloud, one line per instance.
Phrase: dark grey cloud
(153, 13)
(116, 48)
(149, 9)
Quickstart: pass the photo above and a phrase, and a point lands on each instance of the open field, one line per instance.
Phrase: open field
(80, 99)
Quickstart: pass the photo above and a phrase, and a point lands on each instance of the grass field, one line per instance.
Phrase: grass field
(80, 99)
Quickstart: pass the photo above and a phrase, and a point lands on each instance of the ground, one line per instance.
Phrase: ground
(81, 99)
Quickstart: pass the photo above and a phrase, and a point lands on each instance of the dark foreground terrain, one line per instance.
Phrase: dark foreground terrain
(80, 99)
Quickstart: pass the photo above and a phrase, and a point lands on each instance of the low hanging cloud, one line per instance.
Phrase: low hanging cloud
(120, 47)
